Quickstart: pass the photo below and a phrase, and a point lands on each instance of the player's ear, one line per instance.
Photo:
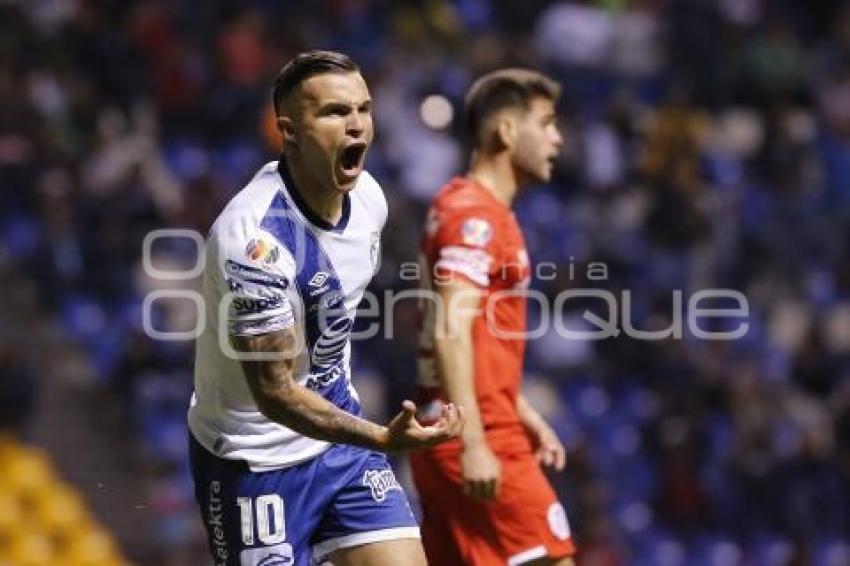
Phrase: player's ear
(506, 131)
(286, 126)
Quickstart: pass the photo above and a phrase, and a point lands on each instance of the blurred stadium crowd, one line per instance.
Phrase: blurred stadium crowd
(708, 146)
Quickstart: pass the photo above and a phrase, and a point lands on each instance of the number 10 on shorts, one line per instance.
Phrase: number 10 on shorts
(271, 519)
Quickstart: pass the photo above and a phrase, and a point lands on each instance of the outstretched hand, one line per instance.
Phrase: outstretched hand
(405, 433)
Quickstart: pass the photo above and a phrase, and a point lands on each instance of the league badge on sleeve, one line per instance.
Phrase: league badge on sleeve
(476, 232)
(260, 250)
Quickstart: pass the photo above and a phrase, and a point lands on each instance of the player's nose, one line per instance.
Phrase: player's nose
(355, 125)
(557, 138)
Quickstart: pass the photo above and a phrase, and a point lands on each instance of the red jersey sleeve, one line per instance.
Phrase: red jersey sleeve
(467, 243)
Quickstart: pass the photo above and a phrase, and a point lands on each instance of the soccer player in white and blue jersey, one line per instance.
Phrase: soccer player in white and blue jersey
(285, 469)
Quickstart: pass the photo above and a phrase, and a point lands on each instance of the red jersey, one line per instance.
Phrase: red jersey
(472, 235)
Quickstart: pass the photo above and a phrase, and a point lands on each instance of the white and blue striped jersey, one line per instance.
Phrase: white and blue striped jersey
(271, 264)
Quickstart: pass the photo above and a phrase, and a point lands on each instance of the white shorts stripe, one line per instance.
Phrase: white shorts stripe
(326, 547)
(527, 555)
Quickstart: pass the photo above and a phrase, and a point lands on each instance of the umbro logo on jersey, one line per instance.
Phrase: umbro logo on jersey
(317, 282)
(318, 279)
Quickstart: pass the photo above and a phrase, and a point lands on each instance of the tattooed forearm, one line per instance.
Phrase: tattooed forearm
(282, 399)
(313, 416)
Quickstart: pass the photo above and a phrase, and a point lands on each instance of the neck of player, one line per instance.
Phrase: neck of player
(324, 202)
(496, 174)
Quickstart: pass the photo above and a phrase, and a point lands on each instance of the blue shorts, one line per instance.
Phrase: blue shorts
(295, 516)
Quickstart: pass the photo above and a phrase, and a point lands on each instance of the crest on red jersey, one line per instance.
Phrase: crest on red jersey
(476, 232)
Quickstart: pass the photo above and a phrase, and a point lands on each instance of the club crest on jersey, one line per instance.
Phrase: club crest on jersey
(381, 482)
(374, 248)
(262, 251)
(476, 232)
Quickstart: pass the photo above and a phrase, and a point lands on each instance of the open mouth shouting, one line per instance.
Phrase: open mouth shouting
(551, 161)
(350, 160)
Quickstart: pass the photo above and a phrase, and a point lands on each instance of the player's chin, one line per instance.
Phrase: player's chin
(544, 173)
(346, 176)
(346, 180)
(548, 168)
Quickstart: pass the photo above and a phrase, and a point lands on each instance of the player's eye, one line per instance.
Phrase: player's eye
(337, 110)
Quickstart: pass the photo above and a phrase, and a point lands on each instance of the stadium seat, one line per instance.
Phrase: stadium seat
(43, 521)
(831, 551)
(32, 549)
(92, 547)
(60, 511)
(28, 472)
(10, 512)
(771, 550)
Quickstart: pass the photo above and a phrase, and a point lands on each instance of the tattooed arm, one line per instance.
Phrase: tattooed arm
(282, 399)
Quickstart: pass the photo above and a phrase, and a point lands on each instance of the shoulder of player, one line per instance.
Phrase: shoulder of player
(461, 214)
(370, 193)
(249, 205)
(460, 210)
(368, 187)
(238, 233)
(462, 197)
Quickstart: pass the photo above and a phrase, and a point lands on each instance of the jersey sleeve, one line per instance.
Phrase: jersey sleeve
(466, 243)
(257, 275)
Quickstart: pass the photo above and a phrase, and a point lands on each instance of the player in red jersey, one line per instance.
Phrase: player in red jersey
(485, 498)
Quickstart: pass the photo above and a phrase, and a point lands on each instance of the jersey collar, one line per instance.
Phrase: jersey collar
(305, 209)
(481, 188)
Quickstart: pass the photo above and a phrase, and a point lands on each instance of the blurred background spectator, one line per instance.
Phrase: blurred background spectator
(708, 147)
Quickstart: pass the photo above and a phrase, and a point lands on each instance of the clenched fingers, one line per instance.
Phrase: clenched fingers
(482, 489)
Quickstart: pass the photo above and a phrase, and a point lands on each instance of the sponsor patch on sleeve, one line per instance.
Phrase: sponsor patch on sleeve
(474, 264)
(257, 302)
(241, 272)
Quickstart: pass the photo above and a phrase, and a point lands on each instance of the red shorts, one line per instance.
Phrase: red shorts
(526, 522)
